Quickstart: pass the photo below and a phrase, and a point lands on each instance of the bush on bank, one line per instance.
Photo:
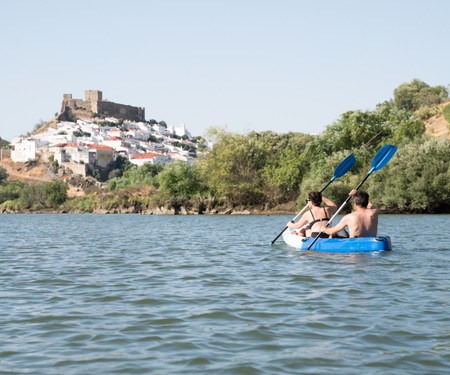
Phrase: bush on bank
(38, 196)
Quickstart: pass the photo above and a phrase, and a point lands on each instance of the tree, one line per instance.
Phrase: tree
(54, 192)
(368, 129)
(181, 180)
(10, 190)
(145, 174)
(31, 195)
(416, 94)
(254, 168)
(3, 175)
(417, 179)
(446, 112)
(38, 125)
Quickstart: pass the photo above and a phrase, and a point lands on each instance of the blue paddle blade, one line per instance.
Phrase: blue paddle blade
(383, 156)
(345, 166)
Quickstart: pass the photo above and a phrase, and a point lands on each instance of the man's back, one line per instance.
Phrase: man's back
(363, 222)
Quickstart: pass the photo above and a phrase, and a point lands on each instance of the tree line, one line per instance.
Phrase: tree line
(266, 168)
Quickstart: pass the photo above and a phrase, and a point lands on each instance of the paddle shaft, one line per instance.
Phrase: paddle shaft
(301, 212)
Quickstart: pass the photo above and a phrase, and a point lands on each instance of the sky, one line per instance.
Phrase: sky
(279, 65)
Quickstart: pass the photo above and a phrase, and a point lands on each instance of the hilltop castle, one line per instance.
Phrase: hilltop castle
(94, 104)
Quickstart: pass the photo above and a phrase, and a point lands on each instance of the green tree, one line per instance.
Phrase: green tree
(3, 175)
(4, 143)
(365, 129)
(201, 147)
(181, 180)
(254, 168)
(54, 193)
(31, 195)
(417, 179)
(137, 175)
(152, 138)
(10, 190)
(416, 94)
(446, 112)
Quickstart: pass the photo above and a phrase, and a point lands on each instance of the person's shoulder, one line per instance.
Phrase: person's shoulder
(350, 216)
(373, 211)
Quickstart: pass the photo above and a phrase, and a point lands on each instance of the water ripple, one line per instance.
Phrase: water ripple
(173, 295)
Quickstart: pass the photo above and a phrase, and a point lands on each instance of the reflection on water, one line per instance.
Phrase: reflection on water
(207, 294)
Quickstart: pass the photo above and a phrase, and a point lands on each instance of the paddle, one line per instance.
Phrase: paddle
(340, 171)
(379, 161)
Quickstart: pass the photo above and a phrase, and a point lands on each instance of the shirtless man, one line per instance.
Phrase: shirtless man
(361, 223)
(313, 221)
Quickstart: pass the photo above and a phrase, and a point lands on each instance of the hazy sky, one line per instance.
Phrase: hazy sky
(280, 65)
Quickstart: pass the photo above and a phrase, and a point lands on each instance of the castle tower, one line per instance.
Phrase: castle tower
(93, 96)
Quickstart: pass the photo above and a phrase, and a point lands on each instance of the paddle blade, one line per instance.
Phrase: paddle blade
(383, 156)
(345, 166)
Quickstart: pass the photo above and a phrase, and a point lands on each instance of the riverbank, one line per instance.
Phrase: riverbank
(161, 206)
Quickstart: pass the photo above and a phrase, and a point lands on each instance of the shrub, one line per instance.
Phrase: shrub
(49, 194)
(181, 180)
(446, 112)
(54, 192)
(426, 112)
(10, 190)
(3, 175)
(31, 195)
(416, 179)
(142, 175)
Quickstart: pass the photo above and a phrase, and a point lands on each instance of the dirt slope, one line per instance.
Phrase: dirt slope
(25, 172)
(438, 126)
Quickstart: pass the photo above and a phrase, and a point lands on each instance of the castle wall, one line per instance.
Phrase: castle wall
(93, 103)
(127, 112)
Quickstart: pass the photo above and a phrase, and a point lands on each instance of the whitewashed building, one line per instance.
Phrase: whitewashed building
(23, 149)
(150, 157)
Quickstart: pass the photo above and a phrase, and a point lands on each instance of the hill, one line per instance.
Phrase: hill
(438, 126)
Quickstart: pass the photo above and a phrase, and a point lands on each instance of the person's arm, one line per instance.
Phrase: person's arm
(328, 202)
(330, 206)
(342, 224)
(298, 224)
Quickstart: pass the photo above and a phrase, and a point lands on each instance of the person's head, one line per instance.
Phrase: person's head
(315, 197)
(361, 198)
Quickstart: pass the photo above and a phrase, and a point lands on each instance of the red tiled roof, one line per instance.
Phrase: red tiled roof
(148, 155)
(114, 139)
(100, 147)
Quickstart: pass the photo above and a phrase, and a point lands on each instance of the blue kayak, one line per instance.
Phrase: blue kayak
(339, 245)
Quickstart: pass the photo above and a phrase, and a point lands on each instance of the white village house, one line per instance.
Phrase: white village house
(150, 157)
(98, 145)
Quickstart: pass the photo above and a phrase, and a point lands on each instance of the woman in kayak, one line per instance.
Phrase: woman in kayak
(313, 221)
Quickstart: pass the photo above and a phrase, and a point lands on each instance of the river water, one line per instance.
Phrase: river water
(133, 294)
